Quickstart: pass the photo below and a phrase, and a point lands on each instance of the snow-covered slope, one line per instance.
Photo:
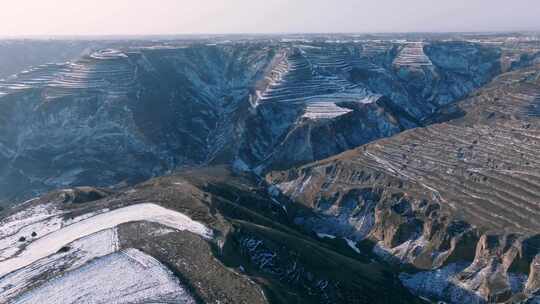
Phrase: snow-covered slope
(211, 236)
(129, 276)
(46, 253)
(52, 241)
(81, 252)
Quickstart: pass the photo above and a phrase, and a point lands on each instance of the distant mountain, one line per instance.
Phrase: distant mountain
(19, 55)
(127, 115)
(116, 116)
(322, 99)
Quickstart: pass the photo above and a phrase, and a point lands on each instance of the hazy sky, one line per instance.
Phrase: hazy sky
(118, 17)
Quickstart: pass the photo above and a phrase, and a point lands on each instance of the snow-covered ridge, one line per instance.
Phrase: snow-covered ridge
(52, 242)
(108, 54)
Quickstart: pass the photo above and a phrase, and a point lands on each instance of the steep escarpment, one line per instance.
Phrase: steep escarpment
(455, 203)
(128, 115)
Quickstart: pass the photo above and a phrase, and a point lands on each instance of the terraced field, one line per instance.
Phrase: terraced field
(368, 55)
(17, 55)
(314, 78)
(412, 55)
(487, 174)
(108, 71)
(480, 166)
(38, 76)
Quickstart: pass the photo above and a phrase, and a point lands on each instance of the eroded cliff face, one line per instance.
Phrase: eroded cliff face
(117, 116)
(328, 98)
(455, 203)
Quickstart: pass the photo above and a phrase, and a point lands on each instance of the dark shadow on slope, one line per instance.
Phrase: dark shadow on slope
(292, 266)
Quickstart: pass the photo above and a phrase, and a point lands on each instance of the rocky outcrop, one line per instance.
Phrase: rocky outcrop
(81, 195)
(221, 235)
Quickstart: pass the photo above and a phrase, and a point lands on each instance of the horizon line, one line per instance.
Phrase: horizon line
(53, 36)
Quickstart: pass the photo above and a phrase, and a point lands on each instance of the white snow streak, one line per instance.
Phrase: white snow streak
(52, 242)
(352, 244)
(325, 236)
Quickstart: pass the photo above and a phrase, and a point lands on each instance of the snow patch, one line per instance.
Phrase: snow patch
(326, 236)
(33, 227)
(274, 191)
(431, 284)
(31, 215)
(352, 244)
